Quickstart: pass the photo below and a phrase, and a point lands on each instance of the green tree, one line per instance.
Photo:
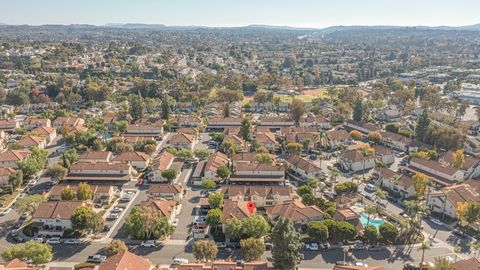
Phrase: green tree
(144, 222)
(214, 218)
(297, 110)
(115, 247)
(209, 184)
(136, 107)
(346, 187)
(443, 263)
(169, 174)
(15, 179)
(245, 129)
(423, 123)
(286, 245)
(370, 233)
(67, 194)
(86, 221)
(252, 248)
(233, 229)
(56, 172)
(184, 153)
(215, 200)
(317, 231)
(31, 251)
(223, 172)
(294, 148)
(28, 204)
(35, 163)
(388, 232)
(264, 158)
(392, 127)
(358, 110)
(344, 230)
(255, 226)
(205, 250)
(201, 153)
(84, 192)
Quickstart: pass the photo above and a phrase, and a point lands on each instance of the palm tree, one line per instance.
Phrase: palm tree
(424, 246)
(418, 209)
(445, 197)
(321, 139)
(366, 152)
(442, 263)
(370, 210)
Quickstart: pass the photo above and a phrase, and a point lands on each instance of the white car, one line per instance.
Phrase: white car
(148, 243)
(53, 240)
(179, 261)
(72, 241)
(311, 246)
(370, 188)
(117, 210)
(175, 222)
(436, 221)
(361, 264)
(112, 216)
(38, 239)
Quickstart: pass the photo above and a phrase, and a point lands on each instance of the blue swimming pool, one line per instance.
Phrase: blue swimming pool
(374, 222)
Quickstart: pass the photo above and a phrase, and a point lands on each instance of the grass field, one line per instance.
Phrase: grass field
(306, 95)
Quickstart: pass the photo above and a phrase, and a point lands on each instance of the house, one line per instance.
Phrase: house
(125, 261)
(138, 160)
(303, 167)
(236, 209)
(275, 121)
(319, 122)
(335, 138)
(5, 176)
(32, 123)
(260, 195)
(239, 143)
(69, 122)
(398, 142)
(172, 192)
(396, 182)
(167, 209)
(258, 174)
(364, 128)
(48, 132)
(53, 217)
(96, 156)
(161, 163)
(348, 215)
(294, 211)
(446, 200)
(389, 114)
(17, 264)
(146, 128)
(102, 194)
(10, 158)
(246, 157)
(32, 141)
(117, 173)
(188, 121)
(8, 125)
(467, 264)
(354, 161)
(471, 165)
(223, 265)
(207, 169)
(440, 173)
(267, 140)
(183, 140)
(384, 155)
(221, 123)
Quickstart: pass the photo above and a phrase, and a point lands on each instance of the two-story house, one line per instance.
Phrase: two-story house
(172, 192)
(138, 160)
(355, 161)
(260, 195)
(303, 168)
(162, 162)
(113, 173)
(52, 218)
(10, 158)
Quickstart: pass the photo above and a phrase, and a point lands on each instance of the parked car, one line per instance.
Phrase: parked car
(370, 188)
(268, 246)
(106, 228)
(342, 263)
(221, 245)
(112, 216)
(97, 258)
(177, 261)
(72, 241)
(175, 222)
(148, 243)
(311, 246)
(240, 262)
(53, 240)
(436, 221)
(18, 239)
(459, 233)
(117, 210)
(361, 264)
(411, 266)
(38, 239)
(13, 233)
(6, 212)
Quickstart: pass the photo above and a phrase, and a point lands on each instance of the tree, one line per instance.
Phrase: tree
(423, 247)
(169, 174)
(344, 230)
(184, 153)
(31, 251)
(115, 247)
(205, 250)
(317, 231)
(442, 263)
(297, 110)
(458, 159)
(145, 222)
(370, 233)
(345, 187)
(392, 127)
(245, 129)
(374, 136)
(35, 163)
(214, 218)
(357, 114)
(252, 248)
(255, 226)
(201, 153)
(209, 184)
(86, 221)
(233, 229)
(28, 204)
(264, 158)
(468, 212)
(56, 172)
(388, 232)
(223, 172)
(15, 179)
(229, 148)
(286, 245)
(294, 148)
(136, 107)
(423, 123)
(215, 200)
(420, 184)
(356, 135)
(84, 192)
(67, 194)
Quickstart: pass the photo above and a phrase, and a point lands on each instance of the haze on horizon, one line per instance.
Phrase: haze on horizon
(295, 13)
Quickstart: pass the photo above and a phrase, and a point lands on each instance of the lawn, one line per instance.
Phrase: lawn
(306, 95)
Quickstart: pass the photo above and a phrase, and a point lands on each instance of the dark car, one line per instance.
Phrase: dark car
(459, 233)
(106, 228)
(411, 266)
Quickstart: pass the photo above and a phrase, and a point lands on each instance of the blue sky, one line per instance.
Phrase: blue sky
(301, 13)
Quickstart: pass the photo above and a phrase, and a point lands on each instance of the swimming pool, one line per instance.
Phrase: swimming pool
(374, 222)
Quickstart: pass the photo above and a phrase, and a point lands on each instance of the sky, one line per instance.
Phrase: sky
(298, 13)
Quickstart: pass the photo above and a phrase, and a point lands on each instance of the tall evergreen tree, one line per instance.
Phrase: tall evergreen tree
(245, 130)
(358, 111)
(422, 126)
(286, 245)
